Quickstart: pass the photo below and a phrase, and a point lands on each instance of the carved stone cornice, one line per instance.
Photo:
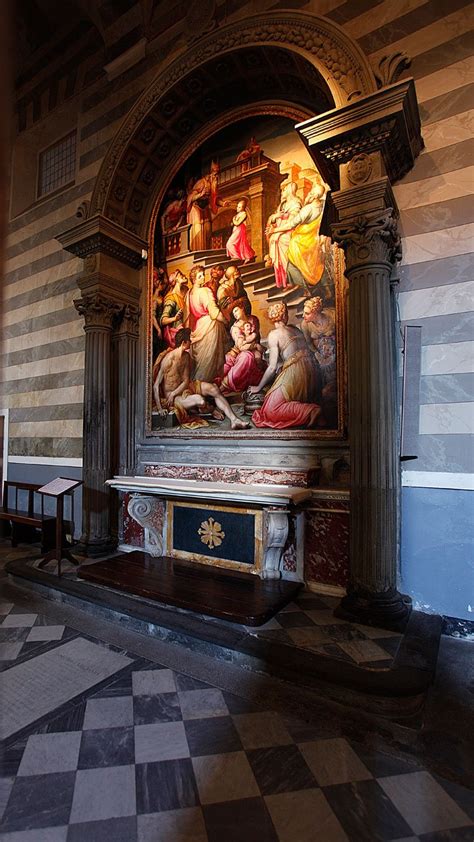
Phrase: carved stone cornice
(369, 239)
(386, 121)
(97, 234)
(99, 312)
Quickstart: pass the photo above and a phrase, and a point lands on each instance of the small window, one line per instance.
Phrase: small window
(57, 165)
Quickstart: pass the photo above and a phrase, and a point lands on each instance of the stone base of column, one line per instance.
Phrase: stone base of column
(96, 549)
(386, 610)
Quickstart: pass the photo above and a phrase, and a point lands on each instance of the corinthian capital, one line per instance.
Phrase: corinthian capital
(98, 311)
(369, 238)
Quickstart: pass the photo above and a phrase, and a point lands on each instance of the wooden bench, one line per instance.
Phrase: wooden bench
(26, 522)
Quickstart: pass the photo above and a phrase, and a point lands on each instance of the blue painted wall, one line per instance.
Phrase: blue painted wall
(437, 558)
(21, 472)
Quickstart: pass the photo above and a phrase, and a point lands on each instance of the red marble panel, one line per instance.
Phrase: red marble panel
(289, 560)
(249, 476)
(327, 543)
(133, 533)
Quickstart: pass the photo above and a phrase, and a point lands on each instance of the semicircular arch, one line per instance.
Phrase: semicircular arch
(333, 68)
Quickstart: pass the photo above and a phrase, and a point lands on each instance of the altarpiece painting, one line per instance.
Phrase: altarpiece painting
(246, 303)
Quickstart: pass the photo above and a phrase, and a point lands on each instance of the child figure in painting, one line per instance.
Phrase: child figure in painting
(251, 340)
(238, 246)
(244, 363)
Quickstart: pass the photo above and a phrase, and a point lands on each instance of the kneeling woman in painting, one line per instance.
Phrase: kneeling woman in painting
(293, 399)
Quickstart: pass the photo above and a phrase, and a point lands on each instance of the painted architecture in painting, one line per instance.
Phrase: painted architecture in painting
(246, 298)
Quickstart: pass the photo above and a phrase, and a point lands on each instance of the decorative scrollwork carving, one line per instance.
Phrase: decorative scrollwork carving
(371, 238)
(276, 533)
(144, 511)
(83, 210)
(390, 67)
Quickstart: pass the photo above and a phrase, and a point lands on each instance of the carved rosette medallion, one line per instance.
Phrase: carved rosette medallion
(98, 311)
(369, 239)
(359, 169)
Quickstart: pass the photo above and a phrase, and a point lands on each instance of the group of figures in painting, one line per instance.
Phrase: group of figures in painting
(211, 362)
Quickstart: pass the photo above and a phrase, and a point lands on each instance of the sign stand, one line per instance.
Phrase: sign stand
(58, 488)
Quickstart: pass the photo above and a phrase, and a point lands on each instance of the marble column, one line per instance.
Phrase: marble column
(99, 313)
(372, 245)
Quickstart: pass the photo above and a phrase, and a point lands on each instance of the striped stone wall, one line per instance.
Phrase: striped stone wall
(43, 348)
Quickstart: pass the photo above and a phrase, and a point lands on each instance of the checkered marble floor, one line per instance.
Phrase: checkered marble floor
(152, 755)
(309, 624)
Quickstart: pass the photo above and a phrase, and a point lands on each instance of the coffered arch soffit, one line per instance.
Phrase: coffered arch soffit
(276, 60)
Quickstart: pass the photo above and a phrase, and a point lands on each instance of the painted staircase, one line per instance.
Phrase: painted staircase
(258, 280)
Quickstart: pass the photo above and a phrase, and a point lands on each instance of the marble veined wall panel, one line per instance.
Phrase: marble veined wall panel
(446, 418)
(436, 301)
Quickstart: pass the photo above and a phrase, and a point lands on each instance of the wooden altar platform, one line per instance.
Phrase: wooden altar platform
(237, 597)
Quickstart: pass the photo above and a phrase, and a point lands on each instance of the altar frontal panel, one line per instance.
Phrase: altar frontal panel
(223, 536)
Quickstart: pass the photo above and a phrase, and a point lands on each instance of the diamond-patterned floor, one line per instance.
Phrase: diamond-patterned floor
(309, 623)
(152, 755)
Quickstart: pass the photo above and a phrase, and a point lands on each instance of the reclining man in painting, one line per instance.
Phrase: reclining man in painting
(294, 396)
(174, 390)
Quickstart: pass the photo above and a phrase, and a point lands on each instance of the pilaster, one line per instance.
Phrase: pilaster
(110, 288)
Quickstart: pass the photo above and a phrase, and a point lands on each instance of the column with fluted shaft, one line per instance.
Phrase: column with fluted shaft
(372, 245)
(99, 314)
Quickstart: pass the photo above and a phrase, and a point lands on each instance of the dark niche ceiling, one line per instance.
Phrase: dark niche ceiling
(227, 83)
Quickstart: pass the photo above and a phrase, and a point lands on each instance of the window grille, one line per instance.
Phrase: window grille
(57, 165)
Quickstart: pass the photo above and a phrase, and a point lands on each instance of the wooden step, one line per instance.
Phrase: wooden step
(238, 597)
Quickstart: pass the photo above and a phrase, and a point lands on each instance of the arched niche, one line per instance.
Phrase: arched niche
(274, 59)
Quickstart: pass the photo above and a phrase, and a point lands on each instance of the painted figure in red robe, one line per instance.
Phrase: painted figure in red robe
(238, 246)
(293, 399)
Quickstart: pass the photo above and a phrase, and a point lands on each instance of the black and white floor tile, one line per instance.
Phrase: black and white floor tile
(309, 623)
(147, 754)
